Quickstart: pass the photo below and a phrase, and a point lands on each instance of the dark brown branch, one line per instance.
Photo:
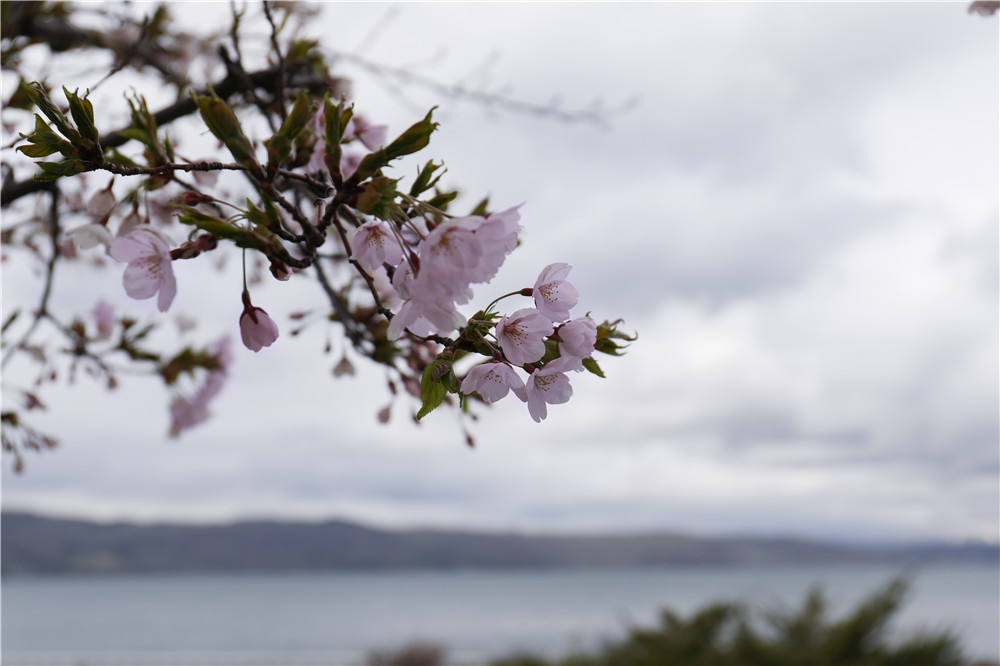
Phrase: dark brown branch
(339, 306)
(302, 77)
(280, 96)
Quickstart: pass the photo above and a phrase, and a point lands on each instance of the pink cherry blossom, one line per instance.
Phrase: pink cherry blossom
(578, 337)
(497, 236)
(372, 136)
(451, 251)
(522, 336)
(374, 244)
(100, 205)
(317, 161)
(90, 235)
(149, 270)
(553, 295)
(549, 385)
(349, 163)
(188, 411)
(257, 329)
(492, 381)
(131, 221)
(423, 316)
(104, 314)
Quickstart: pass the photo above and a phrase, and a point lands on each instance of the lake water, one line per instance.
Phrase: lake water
(336, 618)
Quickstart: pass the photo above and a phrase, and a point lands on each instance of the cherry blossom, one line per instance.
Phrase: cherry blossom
(257, 329)
(317, 161)
(492, 381)
(149, 270)
(424, 316)
(451, 251)
(100, 205)
(553, 295)
(372, 136)
(522, 336)
(90, 235)
(549, 385)
(577, 337)
(497, 235)
(349, 163)
(374, 244)
(104, 315)
(188, 411)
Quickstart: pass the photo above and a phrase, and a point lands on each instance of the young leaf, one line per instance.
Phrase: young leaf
(224, 124)
(590, 364)
(432, 392)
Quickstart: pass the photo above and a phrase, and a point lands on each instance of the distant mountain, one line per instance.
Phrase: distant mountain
(38, 545)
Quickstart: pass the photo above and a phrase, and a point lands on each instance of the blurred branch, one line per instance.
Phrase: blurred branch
(596, 113)
(984, 7)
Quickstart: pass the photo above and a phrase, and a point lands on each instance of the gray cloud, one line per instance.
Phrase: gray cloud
(799, 220)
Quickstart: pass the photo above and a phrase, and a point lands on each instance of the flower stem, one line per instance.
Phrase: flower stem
(500, 298)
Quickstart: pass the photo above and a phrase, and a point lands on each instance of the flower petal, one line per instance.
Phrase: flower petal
(139, 281)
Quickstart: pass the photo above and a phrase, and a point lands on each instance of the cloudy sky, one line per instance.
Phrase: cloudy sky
(799, 218)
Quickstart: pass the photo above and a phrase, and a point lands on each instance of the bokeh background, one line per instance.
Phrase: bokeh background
(795, 205)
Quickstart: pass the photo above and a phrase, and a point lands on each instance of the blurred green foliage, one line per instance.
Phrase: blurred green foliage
(728, 634)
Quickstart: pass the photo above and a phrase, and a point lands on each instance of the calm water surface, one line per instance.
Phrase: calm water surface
(337, 618)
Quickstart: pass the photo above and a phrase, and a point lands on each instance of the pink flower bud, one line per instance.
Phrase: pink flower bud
(192, 198)
(578, 337)
(257, 329)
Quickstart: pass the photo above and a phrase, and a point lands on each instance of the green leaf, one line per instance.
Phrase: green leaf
(423, 181)
(440, 200)
(378, 198)
(40, 99)
(336, 117)
(413, 139)
(45, 141)
(481, 208)
(279, 147)
(55, 170)
(432, 391)
(83, 115)
(590, 364)
(144, 130)
(608, 334)
(224, 124)
(38, 150)
(211, 224)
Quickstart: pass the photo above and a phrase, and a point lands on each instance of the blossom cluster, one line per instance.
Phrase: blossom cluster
(521, 338)
(423, 265)
(436, 276)
(147, 254)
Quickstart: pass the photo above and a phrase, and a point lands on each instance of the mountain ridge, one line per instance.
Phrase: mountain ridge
(33, 544)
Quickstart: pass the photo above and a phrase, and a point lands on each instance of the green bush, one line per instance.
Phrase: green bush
(728, 634)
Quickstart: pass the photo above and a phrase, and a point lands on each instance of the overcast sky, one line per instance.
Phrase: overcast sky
(799, 218)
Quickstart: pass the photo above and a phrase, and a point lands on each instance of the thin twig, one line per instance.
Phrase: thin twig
(50, 269)
(280, 97)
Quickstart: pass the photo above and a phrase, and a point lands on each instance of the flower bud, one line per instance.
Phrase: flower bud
(192, 198)
(257, 329)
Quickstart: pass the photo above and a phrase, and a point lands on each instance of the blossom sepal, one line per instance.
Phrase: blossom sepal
(607, 337)
(591, 365)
